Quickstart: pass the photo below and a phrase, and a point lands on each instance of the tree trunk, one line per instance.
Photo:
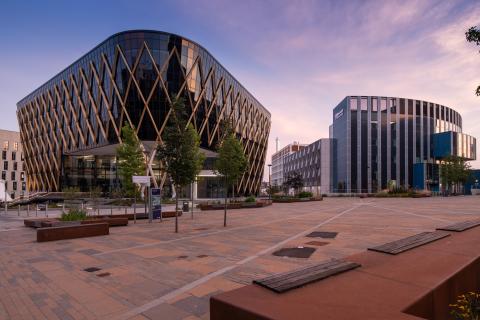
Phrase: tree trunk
(176, 212)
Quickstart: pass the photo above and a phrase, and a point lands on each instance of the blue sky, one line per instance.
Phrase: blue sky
(299, 58)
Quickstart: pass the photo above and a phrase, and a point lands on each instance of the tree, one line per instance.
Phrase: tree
(473, 35)
(131, 161)
(180, 151)
(454, 171)
(231, 164)
(294, 180)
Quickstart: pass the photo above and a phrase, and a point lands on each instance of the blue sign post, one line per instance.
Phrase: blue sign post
(156, 203)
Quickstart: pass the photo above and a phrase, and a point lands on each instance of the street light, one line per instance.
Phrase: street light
(269, 183)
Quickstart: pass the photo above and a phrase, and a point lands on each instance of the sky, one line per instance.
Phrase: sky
(298, 58)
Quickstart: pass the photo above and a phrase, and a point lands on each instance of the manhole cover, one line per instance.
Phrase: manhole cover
(201, 229)
(92, 269)
(182, 257)
(202, 256)
(105, 274)
(317, 243)
(301, 252)
(322, 234)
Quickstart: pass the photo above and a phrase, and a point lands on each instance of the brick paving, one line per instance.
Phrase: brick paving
(146, 271)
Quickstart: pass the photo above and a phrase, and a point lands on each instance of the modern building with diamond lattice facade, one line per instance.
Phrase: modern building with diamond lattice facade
(70, 126)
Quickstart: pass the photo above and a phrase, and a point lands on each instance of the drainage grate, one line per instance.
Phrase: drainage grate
(300, 252)
(317, 243)
(92, 269)
(182, 257)
(200, 229)
(202, 256)
(322, 234)
(105, 274)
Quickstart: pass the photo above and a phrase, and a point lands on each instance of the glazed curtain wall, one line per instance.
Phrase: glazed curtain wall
(382, 137)
(132, 78)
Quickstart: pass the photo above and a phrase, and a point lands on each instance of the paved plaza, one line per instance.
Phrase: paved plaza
(146, 271)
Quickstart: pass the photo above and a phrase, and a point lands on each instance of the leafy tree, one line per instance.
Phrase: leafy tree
(131, 161)
(473, 35)
(294, 180)
(454, 171)
(231, 164)
(180, 151)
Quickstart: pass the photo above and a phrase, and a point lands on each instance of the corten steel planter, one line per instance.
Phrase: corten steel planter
(112, 221)
(244, 205)
(72, 232)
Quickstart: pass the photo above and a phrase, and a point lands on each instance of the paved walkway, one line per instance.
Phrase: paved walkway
(146, 271)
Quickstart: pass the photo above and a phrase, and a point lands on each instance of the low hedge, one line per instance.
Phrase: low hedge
(74, 215)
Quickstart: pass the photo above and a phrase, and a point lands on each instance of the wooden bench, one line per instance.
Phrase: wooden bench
(72, 232)
(398, 246)
(461, 226)
(283, 282)
(36, 222)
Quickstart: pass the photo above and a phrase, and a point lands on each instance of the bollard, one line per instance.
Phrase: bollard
(125, 210)
(46, 209)
(36, 210)
(111, 210)
(18, 208)
(28, 210)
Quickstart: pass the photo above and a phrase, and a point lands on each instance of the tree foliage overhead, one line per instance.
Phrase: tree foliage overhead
(454, 170)
(231, 162)
(131, 161)
(294, 180)
(180, 151)
(473, 35)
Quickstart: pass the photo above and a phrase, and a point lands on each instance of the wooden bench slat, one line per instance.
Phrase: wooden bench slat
(305, 276)
(272, 280)
(411, 242)
(461, 226)
(316, 277)
(401, 242)
(289, 280)
(295, 272)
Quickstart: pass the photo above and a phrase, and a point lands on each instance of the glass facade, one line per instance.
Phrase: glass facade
(131, 78)
(379, 139)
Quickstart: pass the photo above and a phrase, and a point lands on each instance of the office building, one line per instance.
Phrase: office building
(13, 173)
(278, 158)
(70, 126)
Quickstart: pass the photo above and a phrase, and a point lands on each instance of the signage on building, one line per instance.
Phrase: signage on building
(338, 114)
(143, 180)
(156, 202)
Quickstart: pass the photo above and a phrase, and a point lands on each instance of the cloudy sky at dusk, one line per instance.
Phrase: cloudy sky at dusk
(299, 58)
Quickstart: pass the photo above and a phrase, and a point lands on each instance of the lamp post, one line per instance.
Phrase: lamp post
(269, 183)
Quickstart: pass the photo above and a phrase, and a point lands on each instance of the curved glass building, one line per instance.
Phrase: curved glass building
(382, 140)
(70, 126)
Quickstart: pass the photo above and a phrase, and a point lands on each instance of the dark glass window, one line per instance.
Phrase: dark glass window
(12, 175)
(4, 175)
(14, 185)
(353, 150)
(4, 155)
(5, 165)
(14, 166)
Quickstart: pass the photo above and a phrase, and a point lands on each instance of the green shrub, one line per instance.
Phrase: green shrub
(250, 199)
(305, 194)
(74, 215)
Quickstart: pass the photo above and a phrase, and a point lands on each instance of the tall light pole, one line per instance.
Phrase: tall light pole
(269, 183)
